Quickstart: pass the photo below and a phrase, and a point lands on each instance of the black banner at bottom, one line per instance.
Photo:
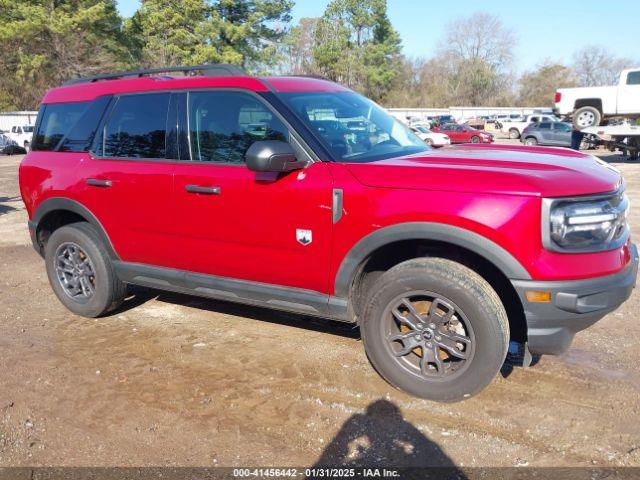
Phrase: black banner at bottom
(221, 473)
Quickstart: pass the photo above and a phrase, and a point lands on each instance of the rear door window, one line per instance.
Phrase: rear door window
(545, 125)
(55, 121)
(136, 127)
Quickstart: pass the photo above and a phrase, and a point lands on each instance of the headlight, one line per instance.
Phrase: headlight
(585, 224)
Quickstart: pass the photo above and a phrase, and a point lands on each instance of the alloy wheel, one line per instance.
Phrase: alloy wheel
(428, 335)
(75, 272)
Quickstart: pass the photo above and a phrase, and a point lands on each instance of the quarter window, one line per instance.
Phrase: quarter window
(55, 121)
(137, 127)
(223, 125)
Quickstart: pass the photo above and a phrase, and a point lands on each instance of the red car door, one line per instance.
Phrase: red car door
(127, 182)
(454, 133)
(236, 223)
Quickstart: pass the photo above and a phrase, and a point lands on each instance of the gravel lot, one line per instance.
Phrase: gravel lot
(177, 380)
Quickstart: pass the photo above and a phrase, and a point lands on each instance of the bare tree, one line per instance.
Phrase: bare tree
(474, 61)
(480, 37)
(595, 65)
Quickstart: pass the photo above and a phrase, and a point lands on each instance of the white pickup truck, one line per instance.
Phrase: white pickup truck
(21, 134)
(515, 128)
(589, 106)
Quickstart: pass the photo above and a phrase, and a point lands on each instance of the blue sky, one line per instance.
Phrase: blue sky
(545, 29)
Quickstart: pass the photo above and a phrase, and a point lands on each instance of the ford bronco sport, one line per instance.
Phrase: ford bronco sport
(298, 194)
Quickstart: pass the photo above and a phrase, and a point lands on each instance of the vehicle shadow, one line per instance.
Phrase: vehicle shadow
(381, 437)
(616, 159)
(140, 295)
(7, 208)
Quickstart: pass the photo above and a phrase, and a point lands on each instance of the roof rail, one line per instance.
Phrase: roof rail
(207, 70)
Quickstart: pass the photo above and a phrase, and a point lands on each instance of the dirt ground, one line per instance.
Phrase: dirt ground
(177, 380)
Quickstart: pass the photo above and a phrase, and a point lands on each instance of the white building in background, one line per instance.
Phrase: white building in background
(9, 119)
(463, 113)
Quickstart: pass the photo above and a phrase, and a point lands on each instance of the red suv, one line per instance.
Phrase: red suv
(299, 194)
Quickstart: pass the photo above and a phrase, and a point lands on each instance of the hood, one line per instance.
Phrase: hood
(504, 169)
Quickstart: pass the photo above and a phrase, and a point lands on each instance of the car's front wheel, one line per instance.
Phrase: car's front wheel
(435, 329)
(80, 271)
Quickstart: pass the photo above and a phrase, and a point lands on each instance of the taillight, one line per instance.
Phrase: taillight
(558, 97)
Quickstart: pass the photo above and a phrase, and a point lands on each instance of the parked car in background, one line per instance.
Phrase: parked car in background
(515, 128)
(547, 133)
(441, 119)
(464, 133)
(589, 106)
(21, 134)
(498, 119)
(431, 138)
(10, 147)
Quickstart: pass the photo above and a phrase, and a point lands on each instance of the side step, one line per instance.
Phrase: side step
(289, 299)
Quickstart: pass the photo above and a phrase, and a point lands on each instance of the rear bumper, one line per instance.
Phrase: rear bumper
(574, 306)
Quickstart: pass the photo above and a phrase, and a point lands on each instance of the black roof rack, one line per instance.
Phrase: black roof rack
(207, 70)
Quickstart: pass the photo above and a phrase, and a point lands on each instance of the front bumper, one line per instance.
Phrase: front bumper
(574, 306)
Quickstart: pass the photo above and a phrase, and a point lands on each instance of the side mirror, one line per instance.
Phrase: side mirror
(272, 156)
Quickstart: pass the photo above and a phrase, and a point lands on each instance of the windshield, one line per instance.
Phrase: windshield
(353, 128)
(423, 130)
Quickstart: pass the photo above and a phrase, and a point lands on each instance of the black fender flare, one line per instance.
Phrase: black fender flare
(63, 203)
(441, 232)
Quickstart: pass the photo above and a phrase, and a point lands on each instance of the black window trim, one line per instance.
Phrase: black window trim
(304, 148)
(181, 95)
(99, 137)
(97, 130)
(41, 111)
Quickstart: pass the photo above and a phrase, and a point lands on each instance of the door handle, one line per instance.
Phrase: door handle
(203, 190)
(94, 182)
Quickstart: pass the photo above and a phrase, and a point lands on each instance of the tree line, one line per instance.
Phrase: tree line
(46, 42)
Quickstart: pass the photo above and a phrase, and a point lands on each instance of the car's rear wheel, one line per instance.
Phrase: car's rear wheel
(435, 329)
(428, 141)
(80, 271)
(475, 139)
(514, 134)
(585, 117)
(531, 141)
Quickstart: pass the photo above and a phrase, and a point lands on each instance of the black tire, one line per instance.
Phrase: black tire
(108, 290)
(514, 133)
(585, 117)
(475, 302)
(429, 142)
(531, 141)
(475, 139)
